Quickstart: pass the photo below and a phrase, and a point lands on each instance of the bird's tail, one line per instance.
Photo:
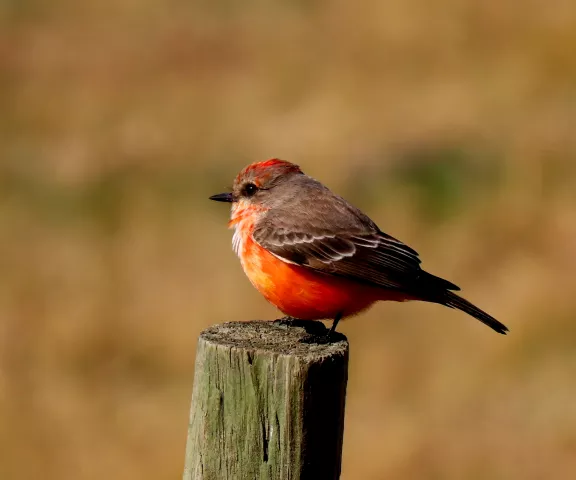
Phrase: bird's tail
(439, 291)
(450, 299)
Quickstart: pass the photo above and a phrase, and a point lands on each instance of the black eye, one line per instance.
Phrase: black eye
(249, 189)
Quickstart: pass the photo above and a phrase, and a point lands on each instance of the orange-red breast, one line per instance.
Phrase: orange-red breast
(315, 256)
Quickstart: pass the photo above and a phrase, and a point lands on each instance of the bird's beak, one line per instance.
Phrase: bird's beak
(223, 197)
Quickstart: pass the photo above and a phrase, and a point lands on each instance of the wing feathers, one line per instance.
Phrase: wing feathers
(377, 257)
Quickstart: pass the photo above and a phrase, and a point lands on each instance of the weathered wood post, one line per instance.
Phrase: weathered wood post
(267, 403)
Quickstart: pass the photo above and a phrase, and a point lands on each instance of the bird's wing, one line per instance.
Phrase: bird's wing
(373, 258)
(331, 236)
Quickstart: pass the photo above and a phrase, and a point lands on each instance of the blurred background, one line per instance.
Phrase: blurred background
(451, 123)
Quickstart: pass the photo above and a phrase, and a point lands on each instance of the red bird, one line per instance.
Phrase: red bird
(315, 256)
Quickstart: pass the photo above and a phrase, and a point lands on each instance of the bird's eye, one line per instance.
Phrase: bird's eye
(250, 189)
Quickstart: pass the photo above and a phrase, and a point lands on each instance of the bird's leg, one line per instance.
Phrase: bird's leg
(337, 318)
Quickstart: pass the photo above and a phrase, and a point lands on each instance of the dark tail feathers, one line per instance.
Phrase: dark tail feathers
(438, 291)
(454, 301)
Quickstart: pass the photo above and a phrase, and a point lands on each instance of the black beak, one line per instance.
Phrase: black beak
(223, 197)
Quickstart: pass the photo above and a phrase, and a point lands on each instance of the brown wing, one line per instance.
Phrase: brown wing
(371, 257)
(325, 233)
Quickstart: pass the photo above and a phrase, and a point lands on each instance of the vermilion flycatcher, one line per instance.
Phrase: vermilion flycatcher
(315, 256)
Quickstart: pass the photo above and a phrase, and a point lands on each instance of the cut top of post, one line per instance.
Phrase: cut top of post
(293, 338)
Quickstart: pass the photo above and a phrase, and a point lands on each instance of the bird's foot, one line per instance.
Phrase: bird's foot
(315, 330)
(286, 321)
(317, 339)
(322, 336)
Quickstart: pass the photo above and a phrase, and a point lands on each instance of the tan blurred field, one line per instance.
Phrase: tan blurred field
(452, 123)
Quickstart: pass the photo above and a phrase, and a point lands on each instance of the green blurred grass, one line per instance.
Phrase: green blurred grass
(451, 125)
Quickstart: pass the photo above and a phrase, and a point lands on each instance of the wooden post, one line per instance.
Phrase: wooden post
(267, 403)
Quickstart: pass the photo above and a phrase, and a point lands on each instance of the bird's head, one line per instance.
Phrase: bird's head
(254, 186)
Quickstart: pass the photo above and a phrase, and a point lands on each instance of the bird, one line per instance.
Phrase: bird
(315, 256)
